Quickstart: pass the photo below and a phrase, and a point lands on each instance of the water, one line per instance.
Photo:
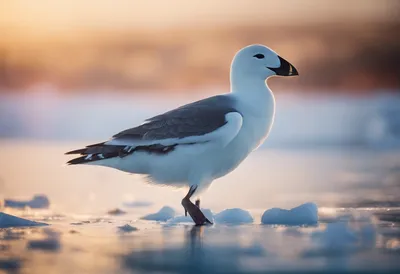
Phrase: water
(355, 188)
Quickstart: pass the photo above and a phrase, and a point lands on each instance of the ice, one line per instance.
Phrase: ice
(336, 236)
(12, 234)
(233, 216)
(338, 239)
(208, 213)
(38, 201)
(116, 212)
(305, 214)
(7, 220)
(180, 219)
(187, 219)
(50, 243)
(10, 264)
(164, 214)
(127, 228)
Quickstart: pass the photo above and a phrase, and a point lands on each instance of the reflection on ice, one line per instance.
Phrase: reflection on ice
(51, 241)
(196, 255)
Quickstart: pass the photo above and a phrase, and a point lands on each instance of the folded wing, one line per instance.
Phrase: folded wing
(214, 119)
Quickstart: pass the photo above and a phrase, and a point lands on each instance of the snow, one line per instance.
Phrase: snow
(38, 201)
(7, 220)
(164, 214)
(233, 216)
(305, 214)
(127, 228)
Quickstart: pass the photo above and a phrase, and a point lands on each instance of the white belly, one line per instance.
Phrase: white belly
(197, 163)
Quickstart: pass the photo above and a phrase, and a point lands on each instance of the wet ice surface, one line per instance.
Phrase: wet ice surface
(356, 190)
(355, 241)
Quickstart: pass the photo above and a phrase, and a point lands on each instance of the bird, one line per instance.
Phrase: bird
(196, 143)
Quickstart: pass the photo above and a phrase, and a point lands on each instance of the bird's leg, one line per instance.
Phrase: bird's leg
(197, 203)
(194, 211)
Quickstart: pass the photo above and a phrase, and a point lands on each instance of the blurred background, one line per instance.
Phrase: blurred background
(76, 72)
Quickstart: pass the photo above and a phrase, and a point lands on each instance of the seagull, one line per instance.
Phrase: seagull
(194, 144)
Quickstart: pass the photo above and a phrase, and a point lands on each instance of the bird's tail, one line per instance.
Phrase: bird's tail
(102, 151)
(98, 152)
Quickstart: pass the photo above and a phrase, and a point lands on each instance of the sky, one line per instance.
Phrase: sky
(51, 17)
(189, 44)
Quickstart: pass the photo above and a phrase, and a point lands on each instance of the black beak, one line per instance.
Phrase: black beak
(286, 69)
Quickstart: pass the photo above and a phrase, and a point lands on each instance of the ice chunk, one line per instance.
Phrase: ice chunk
(233, 216)
(7, 220)
(10, 264)
(187, 219)
(38, 201)
(127, 228)
(180, 219)
(162, 215)
(305, 214)
(116, 212)
(208, 213)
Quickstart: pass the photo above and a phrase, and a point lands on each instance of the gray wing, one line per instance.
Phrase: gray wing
(195, 119)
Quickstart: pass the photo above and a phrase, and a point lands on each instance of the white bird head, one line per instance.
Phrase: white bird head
(261, 62)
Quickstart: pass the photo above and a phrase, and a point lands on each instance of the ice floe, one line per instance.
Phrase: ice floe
(305, 214)
(127, 228)
(164, 214)
(7, 220)
(38, 201)
(233, 216)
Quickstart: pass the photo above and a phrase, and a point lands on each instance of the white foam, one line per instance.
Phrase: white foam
(305, 214)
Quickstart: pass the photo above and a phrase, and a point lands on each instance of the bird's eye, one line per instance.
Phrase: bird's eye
(259, 56)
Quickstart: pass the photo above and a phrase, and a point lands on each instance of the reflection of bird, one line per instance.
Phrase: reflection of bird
(201, 141)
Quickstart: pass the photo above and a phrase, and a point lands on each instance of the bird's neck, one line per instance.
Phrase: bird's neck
(251, 90)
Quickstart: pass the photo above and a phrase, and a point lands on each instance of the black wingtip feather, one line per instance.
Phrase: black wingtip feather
(77, 161)
(77, 151)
